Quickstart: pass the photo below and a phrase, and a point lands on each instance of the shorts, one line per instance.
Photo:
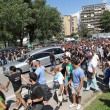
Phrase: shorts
(66, 81)
(74, 90)
(60, 98)
(18, 93)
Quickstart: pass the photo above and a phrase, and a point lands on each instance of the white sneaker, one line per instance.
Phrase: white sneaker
(73, 105)
(78, 107)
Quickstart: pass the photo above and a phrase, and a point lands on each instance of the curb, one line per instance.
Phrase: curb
(89, 102)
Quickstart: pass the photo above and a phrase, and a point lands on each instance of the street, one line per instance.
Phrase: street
(10, 97)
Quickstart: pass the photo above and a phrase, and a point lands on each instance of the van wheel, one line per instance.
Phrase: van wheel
(19, 70)
(57, 61)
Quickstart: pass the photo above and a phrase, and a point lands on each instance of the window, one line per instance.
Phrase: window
(58, 51)
(49, 50)
(46, 54)
(40, 55)
(37, 56)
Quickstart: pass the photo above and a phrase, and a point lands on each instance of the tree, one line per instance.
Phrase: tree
(73, 34)
(47, 23)
(15, 17)
(82, 30)
(20, 17)
(105, 21)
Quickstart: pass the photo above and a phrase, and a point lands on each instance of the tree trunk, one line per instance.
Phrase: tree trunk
(21, 41)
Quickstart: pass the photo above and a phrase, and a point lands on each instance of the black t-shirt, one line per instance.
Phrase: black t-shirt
(81, 56)
(16, 81)
(36, 93)
(52, 58)
(63, 69)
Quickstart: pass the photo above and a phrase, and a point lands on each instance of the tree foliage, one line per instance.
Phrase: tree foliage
(82, 30)
(20, 17)
(105, 21)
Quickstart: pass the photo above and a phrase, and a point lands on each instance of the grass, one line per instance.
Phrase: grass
(101, 103)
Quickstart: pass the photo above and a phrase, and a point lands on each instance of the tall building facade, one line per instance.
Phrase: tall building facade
(90, 16)
(69, 24)
(74, 24)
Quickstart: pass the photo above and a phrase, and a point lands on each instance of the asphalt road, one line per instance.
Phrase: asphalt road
(10, 93)
(10, 97)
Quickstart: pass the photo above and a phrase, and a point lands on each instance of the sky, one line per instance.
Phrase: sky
(73, 7)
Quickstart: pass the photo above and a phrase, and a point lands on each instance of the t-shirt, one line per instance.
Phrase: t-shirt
(16, 81)
(69, 69)
(41, 74)
(36, 93)
(63, 69)
(96, 58)
(92, 64)
(1, 100)
(58, 79)
(81, 56)
(76, 75)
(52, 58)
(107, 72)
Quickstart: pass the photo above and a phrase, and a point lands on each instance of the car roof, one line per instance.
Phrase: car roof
(38, 50)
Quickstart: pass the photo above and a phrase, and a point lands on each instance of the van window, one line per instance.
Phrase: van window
(37, 56)
(58, 51)
(46, 54)
(49, 50)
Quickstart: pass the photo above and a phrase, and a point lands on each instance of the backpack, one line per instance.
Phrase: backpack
(46, 92)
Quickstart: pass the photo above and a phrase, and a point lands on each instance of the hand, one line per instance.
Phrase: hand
(92, 77)
(78, 90)
(59, 93)
(29, 101)
(69, 83)
(6, 89)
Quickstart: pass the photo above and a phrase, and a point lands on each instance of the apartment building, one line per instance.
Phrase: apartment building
(74, 24)
(69, 24)
(90, 16)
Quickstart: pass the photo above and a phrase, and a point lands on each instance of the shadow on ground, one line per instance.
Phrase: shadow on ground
(47, 107)
(105, 101)
(9, 102)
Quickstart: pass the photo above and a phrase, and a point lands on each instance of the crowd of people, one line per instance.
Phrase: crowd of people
(8, 56)
(79, 61)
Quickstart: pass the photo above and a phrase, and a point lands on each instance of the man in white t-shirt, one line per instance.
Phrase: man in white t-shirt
(58, 85)
(91, 72)
(68, 54)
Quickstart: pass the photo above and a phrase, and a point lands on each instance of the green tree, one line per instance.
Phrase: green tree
(82, 30)
(73, 34)
(47, 23)
(15, 17)
(105, 21)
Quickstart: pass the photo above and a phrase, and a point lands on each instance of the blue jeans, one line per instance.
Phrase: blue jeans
(89, 81)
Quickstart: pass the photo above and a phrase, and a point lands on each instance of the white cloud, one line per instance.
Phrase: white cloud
(77, 14)
(105, 1)
(108, 6)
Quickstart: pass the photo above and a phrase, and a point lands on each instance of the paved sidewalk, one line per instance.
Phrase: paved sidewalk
(86, 97)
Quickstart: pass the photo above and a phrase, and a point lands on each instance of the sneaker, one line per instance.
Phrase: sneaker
(78, 107)
(67, 95)
(65, 100)
(57, 108)
(73, 105)
(96, 91)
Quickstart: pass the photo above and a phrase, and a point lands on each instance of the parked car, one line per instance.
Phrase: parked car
(41, 54)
